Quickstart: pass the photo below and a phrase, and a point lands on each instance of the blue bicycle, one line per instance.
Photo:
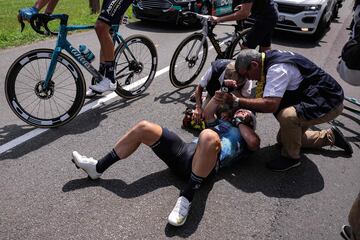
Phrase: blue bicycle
(46, 88)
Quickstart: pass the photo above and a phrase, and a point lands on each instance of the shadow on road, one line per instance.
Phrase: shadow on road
(80, 124)
(177, 96)
(249, 176)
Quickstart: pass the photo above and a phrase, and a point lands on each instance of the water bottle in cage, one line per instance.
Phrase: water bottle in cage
(87, 53)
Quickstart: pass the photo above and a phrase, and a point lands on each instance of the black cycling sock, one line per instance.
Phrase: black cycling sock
(108, 160)
(109, 70)
(102, 68)
(193, 184)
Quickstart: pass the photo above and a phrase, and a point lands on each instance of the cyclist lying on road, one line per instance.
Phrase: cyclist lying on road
(218, 146)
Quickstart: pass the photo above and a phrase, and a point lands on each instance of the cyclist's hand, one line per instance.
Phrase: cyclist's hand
(197, 115)
(214, 19)
(27, 13)
(223, 98)
(230, 83)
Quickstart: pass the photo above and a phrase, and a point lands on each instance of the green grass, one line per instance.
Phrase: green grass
(10, 35)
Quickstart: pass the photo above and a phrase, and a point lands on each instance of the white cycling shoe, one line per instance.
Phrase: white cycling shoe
(91, 93)
(86, 164)
(104, 86)
(180, 212)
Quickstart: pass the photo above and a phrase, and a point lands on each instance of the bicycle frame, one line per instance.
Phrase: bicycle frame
(63, 44)
(207, 31)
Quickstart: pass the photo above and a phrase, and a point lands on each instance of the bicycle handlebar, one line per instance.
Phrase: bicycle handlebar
(39, 22)
(191, 17)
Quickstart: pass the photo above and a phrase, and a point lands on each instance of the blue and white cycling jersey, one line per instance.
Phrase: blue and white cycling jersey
(232, 143)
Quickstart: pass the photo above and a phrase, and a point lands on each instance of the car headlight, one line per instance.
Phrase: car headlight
(312, 7)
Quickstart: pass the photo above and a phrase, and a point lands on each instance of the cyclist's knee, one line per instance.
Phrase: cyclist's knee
(144, 127)
(101, 26)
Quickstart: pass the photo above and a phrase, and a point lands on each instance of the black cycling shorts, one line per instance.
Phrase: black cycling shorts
(261, 32)
(176, 153)
(112, 10)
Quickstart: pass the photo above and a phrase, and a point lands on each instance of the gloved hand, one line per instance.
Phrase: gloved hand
(27, 13)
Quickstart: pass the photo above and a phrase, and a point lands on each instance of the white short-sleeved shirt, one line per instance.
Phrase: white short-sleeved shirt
(245, 91)
(281, 77)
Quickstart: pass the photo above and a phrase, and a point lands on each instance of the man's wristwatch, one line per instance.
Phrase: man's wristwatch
(236, 102)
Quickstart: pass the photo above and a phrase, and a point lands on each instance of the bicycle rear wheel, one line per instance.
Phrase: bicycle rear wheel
(186, 64)
(235, 46)
(135, 66)
(40, 107)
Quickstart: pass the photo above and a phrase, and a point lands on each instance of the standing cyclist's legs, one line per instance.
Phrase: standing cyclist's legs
(111, 13)
(260, 34)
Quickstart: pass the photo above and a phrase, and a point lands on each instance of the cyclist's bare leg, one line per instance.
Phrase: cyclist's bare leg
(206, 153)
(144, 132)
(106, 43)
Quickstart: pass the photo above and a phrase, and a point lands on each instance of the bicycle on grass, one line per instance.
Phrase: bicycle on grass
(46, 88)
(190, 56)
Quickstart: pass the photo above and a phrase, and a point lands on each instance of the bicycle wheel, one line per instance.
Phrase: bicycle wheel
(41, 107)
(186, 64)
(235, 46)
(135, 66)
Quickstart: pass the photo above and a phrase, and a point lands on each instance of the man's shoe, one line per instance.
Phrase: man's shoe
(104, 85)
(86, 164)
(346, 232)
(91, 93)
(180, 212)
(282, 164)
(340, 141)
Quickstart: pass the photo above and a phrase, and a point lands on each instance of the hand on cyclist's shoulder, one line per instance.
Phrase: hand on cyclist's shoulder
(27, 13)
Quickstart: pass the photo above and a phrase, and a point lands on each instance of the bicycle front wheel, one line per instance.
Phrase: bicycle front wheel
(187, 61)
(42, 106)
(235, 46)
(135, 66)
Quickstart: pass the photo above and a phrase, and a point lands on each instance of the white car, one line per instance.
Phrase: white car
(306, 16)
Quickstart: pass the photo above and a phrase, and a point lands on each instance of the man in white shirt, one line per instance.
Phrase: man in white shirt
(299, 94)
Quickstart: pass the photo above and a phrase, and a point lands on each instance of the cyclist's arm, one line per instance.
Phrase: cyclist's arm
(243, 12)
(27, 13)
(198, 96)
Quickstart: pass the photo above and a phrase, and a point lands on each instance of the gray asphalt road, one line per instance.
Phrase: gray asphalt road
(43, 196)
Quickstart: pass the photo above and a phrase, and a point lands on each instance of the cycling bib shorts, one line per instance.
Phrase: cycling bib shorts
(112, 11)
(176, 153)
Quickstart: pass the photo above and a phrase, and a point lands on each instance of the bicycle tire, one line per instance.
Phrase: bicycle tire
(235, 46)
(175, 78)
(54, 107)
(141, 70)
